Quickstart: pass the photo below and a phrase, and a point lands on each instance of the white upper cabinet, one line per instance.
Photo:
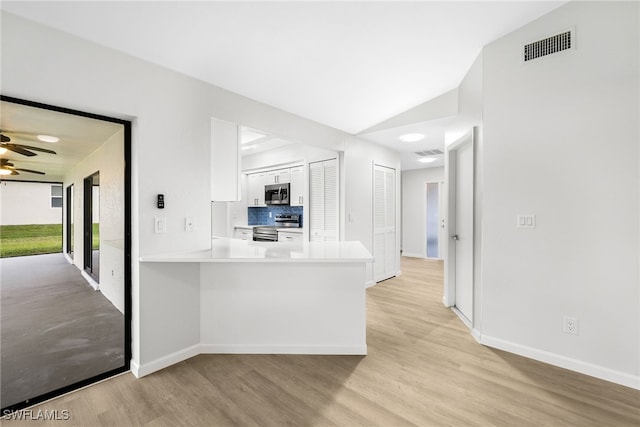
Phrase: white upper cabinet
(225, 161)
(297, 186)
(279, 176)
(256, 185)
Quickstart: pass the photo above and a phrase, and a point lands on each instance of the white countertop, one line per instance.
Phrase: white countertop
(236, 250)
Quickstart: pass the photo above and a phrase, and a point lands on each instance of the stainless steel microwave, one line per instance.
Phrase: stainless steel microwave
(276, 194)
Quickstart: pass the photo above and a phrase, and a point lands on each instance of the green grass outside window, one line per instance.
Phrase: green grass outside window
(35, 239)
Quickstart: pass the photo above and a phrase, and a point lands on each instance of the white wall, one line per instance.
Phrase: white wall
(287, 154)
(27, 203)
(414, 213)
(108, 159)
(359, 158)
(561, 138)
(170, 146)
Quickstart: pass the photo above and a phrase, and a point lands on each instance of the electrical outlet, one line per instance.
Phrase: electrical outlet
(570, 325)
(526, 221)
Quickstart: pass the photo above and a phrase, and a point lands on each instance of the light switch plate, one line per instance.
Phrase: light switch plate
(526, 221)
(189, 224)
(160, 225)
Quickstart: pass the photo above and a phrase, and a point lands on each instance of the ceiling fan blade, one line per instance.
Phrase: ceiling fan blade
(4, 138)
(30, 171)
(44, 150)
(19, 150)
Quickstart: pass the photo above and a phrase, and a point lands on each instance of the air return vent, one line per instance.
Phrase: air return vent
(548, 46)
(429, 152)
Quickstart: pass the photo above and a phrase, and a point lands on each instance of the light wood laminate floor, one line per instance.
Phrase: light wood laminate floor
(423, 368)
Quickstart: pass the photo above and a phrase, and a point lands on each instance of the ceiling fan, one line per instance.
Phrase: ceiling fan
(25, 150)
(7, 168)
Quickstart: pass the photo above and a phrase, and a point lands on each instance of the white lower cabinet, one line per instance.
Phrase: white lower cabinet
(286, 236)
(243, 233)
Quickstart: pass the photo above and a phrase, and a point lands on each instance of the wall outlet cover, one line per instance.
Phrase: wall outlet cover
(570, 325)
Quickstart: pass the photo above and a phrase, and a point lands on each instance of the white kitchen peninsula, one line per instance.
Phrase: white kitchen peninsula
(257, 297)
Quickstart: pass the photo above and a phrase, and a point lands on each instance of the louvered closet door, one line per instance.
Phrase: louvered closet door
(330, 171)
(316, 202)
(323, 201)
(384, 242)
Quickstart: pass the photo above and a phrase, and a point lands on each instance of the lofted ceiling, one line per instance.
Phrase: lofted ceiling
(348, 65)
(79, 137)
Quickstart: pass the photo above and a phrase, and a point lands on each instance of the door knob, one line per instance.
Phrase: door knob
(455, 237)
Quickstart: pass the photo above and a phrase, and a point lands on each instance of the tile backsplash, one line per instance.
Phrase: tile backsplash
(260, 215)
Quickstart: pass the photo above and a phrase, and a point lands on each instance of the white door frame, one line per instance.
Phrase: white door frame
(449, 298)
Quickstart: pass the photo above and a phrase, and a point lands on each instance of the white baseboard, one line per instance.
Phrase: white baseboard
(95, 285)
(282, 349)
(586, 368)
(68, 258)
(135, 368)
(165, 361)
(148, 368)
(370, 283)
(412, 255)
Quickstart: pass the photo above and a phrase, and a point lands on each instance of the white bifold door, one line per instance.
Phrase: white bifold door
(384, 239)
(323, 201)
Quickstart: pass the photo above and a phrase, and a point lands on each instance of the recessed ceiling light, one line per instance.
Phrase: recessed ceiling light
(3, 150)
(427, 159)
(5, 172)
(411, 137)
(48, 138)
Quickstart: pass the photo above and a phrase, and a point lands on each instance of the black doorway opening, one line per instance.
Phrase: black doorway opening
(125, 306)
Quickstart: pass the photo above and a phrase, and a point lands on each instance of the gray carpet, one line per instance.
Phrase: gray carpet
(55, 329)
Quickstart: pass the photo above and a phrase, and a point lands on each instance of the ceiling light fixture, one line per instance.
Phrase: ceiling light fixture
(5, 172)
(427, 159)
(3, 150)
(411, 137)
(48, 138)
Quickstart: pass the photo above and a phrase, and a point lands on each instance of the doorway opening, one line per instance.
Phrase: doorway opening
(69, 236)
(57, 333)
(434, 221)
(92, 226)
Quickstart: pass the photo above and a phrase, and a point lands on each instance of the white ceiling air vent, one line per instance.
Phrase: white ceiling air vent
(554, 44)
(429, 152)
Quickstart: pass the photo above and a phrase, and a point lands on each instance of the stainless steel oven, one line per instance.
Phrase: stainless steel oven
(269, 233)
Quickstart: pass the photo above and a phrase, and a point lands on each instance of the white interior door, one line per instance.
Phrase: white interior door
(463, 237)
(459, 237)
(384, 239)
